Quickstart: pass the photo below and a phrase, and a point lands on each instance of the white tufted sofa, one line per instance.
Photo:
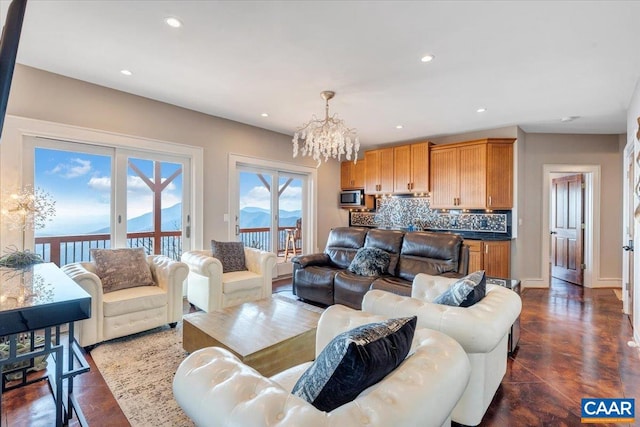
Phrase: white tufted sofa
(129, 311)
(209, 289)
(215, 389)
(481, 329)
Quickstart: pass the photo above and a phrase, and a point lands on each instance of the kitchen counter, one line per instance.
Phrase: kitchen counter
(476, 235)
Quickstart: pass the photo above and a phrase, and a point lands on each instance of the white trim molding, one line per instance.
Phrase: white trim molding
(310, 226)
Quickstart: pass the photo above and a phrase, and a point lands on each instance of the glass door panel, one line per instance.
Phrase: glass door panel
(80, 184)
(154, 206)
(290, 214)
(254, 222)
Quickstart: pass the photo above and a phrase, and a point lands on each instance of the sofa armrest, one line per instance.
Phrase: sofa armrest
(88, 331)
(311, 259)
(259, 261)
(201, 262)
(169, 275)
(479, 328)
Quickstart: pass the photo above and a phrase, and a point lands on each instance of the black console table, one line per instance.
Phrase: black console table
(514, 285)
(42, 299)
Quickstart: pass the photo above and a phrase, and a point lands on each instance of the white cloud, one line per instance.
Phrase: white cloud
(75, 168)
(101, 184)
(260, 197)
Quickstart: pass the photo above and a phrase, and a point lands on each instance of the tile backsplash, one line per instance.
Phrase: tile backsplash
(414, 212)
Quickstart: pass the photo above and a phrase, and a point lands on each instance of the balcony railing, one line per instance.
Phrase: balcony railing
(63, 250)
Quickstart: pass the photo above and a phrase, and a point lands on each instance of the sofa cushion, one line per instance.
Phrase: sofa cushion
(349, 288)
(122, 268)
(370, 262)
(240, 281)
(230, 254)
(355, 360)
(392, 284)
(343, 243)
(465, 292)
(133, 300)
(315, 283)
(389, 241)
(430, 253)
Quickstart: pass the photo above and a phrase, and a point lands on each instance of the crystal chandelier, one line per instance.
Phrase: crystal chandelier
(326, 138)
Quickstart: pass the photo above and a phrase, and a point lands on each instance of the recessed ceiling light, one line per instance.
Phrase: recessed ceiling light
(399, 126)
(265, 114)
(569, 118)
(173, 22)
(481, 110)
(427, 58)
(126, 72)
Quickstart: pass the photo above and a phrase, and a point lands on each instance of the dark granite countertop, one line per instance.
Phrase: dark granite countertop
(476, 235)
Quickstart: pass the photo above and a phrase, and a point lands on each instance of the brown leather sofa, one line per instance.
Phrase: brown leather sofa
(324, 278)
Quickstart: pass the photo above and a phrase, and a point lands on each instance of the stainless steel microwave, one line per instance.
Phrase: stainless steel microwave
(351, 198)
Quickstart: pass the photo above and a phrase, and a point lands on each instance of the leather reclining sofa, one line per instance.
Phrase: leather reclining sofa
(324, 278)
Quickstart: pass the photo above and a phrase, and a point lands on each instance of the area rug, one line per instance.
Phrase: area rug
(139, 370)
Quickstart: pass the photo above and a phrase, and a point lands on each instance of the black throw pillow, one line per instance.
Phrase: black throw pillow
(354, 361)
(465, 292)
(230, 254)
(370, 262)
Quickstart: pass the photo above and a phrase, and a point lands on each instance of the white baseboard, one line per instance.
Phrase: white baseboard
(534, 283)
(607, 283)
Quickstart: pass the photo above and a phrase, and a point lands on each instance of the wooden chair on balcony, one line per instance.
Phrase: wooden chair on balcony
(294, 239)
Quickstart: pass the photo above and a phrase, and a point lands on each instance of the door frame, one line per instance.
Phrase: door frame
(14, 172)
(627, 208)
(591, 219)
(309, 204)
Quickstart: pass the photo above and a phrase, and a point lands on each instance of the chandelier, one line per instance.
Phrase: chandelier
(326, 138)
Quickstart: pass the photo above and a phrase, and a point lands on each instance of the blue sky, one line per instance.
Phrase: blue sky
(80, 184)
(253, 193)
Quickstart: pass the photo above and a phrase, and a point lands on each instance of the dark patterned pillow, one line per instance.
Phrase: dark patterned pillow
(122, 268)
(465, 292)
(354, 361)
(370, 262)
(230, 254)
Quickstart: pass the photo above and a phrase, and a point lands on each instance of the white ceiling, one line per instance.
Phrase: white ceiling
(529, 63)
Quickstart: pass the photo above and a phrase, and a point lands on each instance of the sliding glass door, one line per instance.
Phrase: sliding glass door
(107, 197)
(270, 212)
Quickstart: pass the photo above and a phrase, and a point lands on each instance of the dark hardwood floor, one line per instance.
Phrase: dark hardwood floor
(573, 344)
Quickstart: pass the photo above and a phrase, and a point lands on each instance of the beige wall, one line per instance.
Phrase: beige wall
(45, 96)
(563, 149)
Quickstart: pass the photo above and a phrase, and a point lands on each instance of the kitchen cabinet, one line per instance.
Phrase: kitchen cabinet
(352, 174)
(411, 168)
(472, 175)
(378, 171)
(492, 256)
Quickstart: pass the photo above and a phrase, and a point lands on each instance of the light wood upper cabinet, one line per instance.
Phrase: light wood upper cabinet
(500, 175)
(445, 178)
(472, 175)
(352, 175)
(379, 171)
(411, 168)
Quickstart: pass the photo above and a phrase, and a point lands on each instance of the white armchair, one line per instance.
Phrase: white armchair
(482, 330)
(215, 388)
(208, 288)
(132, 310)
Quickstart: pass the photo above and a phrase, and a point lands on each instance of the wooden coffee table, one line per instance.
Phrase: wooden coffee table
(270, 335)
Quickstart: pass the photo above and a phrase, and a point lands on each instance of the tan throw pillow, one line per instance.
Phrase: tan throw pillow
(122, 268)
